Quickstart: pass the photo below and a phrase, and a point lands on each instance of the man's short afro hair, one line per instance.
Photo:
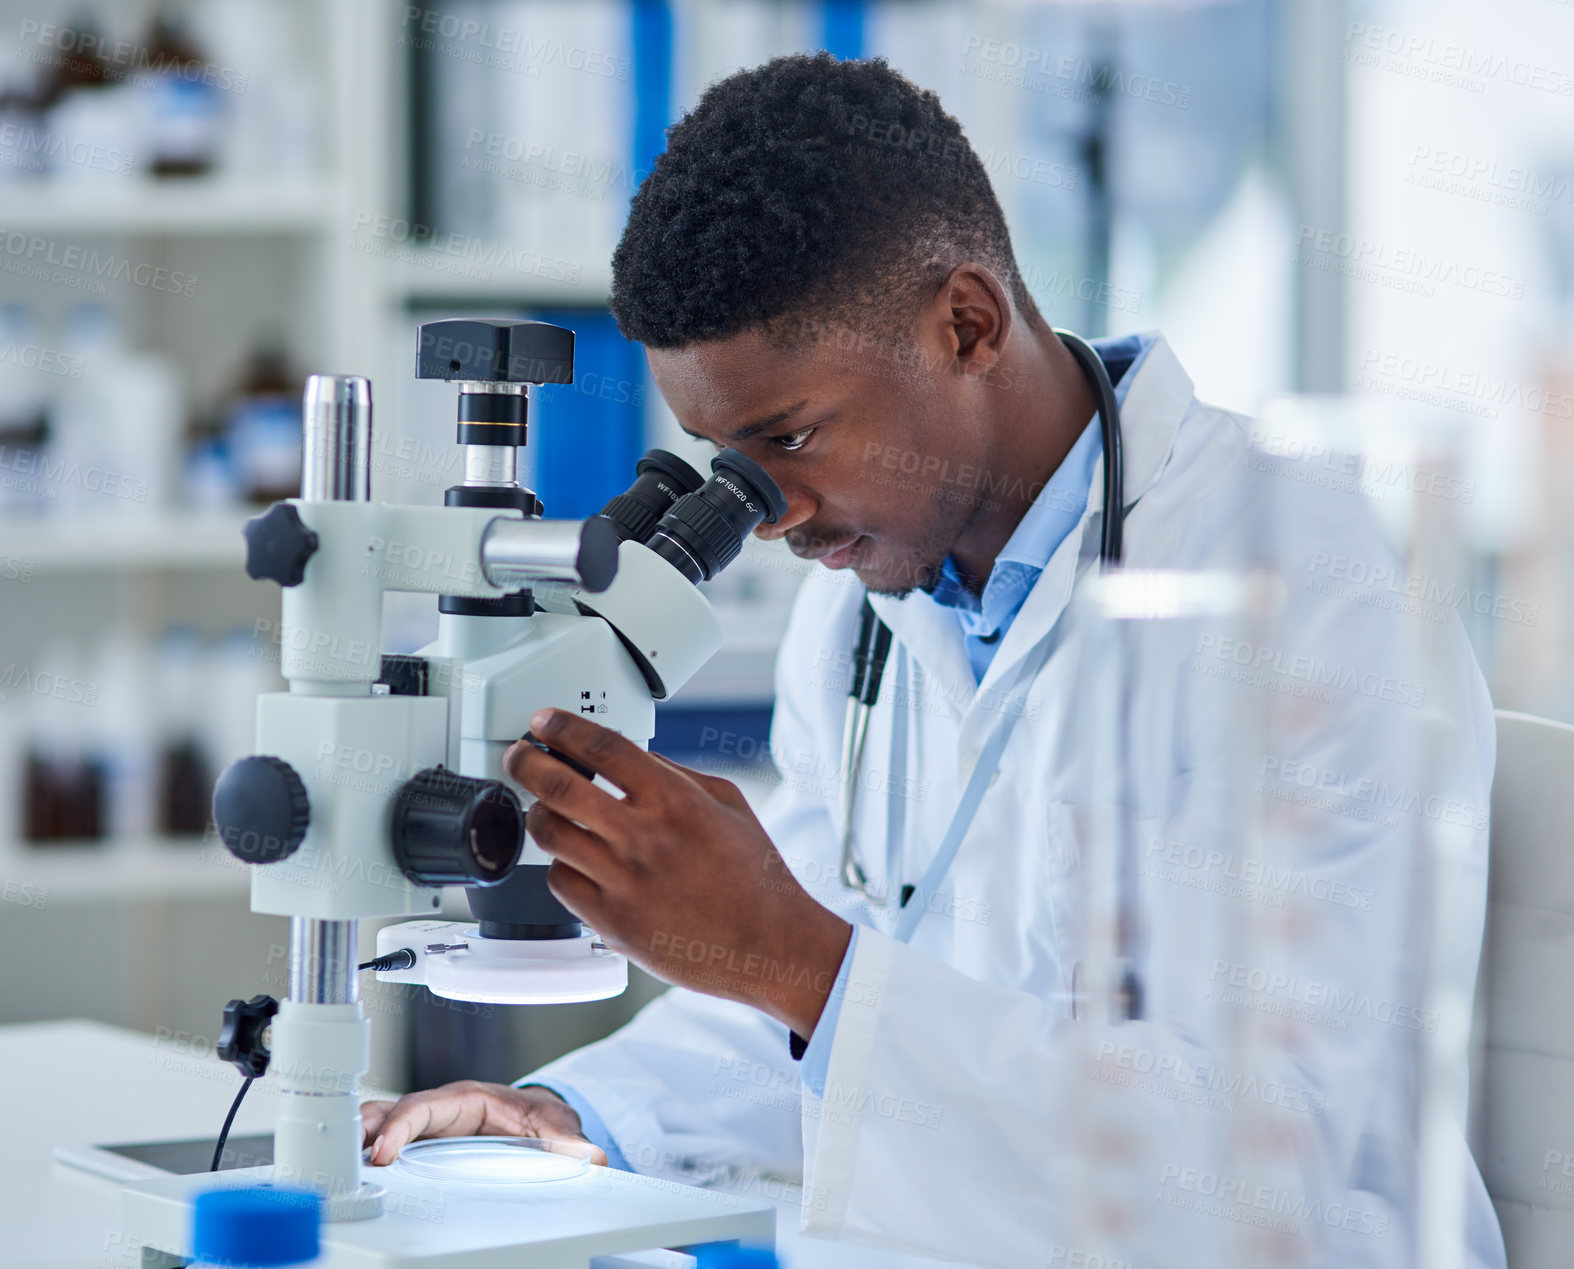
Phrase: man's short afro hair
(806, 188)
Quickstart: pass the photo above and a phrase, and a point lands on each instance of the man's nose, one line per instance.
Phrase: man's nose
(800, 507)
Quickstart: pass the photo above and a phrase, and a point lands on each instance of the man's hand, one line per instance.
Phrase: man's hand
(470, 1109)
(678, 874)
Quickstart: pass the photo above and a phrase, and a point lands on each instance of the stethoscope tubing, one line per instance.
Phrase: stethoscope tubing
(874, 636)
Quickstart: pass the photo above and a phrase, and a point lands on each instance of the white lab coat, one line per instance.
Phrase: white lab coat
(955, 1124)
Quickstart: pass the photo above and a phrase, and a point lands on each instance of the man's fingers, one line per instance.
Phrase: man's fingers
(455, 1110)
(575, 891)
(472, 1109)
(599, 748)
(372, 1116)
(577, 847)
(559, 786)
(724, 791)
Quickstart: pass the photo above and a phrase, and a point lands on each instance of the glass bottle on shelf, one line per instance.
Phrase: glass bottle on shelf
(24, 411)
(184, 772)
(263, 434)
(185, 109)
(21, 129)
(63, 794)
(89, 109)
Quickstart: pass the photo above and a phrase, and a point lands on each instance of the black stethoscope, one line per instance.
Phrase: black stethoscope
(874, 636)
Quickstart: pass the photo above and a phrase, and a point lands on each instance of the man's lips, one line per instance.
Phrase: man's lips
(834, 555)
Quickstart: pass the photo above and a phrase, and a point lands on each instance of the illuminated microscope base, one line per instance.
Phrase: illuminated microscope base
(454, 961)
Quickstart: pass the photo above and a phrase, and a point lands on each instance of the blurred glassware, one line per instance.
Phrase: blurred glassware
(185, 110)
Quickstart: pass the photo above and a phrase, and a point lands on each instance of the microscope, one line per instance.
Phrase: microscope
(378, 779)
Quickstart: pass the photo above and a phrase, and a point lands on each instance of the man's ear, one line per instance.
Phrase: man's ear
(975, 312)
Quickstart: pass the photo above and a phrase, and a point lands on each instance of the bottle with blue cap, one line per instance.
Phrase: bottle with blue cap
(256, 1227)
(732, 1256)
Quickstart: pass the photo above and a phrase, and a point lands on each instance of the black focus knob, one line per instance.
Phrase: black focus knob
(261, 809)
(495, 350)
(278, 544)
(242, 1041)
(451, 830)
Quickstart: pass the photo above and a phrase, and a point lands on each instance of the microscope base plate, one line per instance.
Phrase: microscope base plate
(361, 1204)
(557, 1225)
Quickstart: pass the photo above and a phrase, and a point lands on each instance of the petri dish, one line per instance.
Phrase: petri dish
(493, 1161)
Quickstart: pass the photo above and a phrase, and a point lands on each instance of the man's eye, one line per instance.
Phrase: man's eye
(794, 440)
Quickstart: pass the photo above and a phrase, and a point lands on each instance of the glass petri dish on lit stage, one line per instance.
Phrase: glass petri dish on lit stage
(498, 1161)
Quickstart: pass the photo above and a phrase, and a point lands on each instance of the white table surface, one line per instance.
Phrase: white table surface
(82, 1082)
(78, 1081)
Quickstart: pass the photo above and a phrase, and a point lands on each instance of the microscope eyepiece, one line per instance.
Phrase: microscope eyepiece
(704, 531)
(663, 479)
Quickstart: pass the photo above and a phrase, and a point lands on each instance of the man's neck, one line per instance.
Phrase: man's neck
(1034, 428)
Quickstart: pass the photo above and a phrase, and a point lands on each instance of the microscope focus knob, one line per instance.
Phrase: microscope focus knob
(261, 809)
(243, 1039)
(278, 544)
(452, 830)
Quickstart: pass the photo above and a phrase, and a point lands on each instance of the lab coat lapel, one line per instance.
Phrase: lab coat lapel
(933, 638)
(1156, 401)
(1158, 398)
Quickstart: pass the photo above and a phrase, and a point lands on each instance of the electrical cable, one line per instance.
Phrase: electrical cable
(224, 1132)
(399, 958)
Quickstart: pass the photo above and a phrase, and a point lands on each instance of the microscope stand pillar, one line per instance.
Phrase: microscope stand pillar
(321, 1048)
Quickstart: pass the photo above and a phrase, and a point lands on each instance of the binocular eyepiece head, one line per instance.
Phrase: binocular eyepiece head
(696, 525)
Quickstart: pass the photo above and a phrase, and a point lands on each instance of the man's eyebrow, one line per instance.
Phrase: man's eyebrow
(756, 426)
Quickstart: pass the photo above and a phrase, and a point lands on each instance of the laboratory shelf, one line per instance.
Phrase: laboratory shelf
(140, 207)
(147, 868)
(174, 540)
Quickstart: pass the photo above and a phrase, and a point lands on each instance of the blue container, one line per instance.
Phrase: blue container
(256, 1227)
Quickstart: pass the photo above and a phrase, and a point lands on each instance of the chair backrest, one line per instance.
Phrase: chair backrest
(1522, 1078)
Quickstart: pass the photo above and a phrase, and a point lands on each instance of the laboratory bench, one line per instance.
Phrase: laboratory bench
(75, 1083)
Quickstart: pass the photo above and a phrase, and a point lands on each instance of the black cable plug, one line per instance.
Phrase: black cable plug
(399, 958)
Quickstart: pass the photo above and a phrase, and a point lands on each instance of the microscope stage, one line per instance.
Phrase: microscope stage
(556, 1225)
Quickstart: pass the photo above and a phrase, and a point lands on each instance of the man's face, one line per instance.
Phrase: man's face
(877, 448)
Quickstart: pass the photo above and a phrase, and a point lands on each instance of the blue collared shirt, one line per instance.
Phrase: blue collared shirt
(1055, 512)
(987, 616)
